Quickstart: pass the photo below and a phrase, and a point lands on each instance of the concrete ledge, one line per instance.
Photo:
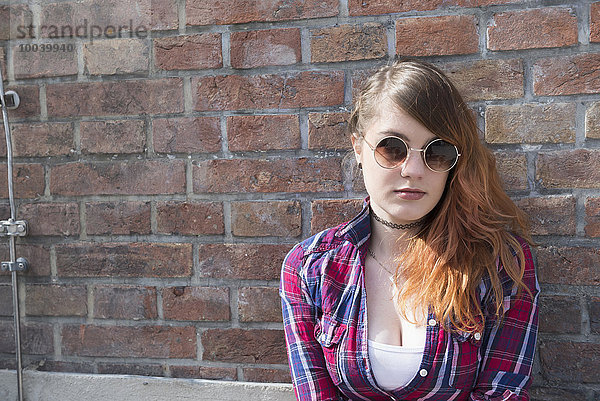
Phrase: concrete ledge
(53, 386)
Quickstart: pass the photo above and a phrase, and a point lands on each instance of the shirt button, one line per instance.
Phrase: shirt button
(423, 372)
(432, 322)
(477, 336)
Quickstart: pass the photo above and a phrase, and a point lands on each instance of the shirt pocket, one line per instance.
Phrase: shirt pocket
(465, 359)
(329, 333)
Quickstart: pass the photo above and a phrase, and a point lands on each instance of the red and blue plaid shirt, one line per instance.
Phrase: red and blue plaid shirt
(325, 322)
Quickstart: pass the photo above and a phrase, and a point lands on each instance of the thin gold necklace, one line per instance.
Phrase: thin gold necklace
(372, 254)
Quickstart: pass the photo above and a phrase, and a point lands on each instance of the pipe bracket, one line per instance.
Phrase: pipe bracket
(16, 228)
(20, 265)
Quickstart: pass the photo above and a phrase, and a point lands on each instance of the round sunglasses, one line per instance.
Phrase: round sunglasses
(438, 155)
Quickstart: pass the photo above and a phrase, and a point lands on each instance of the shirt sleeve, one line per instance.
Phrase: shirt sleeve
(508, 348)
(307, 364)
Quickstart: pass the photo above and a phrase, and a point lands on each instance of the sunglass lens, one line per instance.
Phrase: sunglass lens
(390, 152)
(441, 155)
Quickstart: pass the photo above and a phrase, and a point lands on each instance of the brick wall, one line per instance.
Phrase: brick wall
(164, 174)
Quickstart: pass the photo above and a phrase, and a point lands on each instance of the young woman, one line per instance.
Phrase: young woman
(430, 292)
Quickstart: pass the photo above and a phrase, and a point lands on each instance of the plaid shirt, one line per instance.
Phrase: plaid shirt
(324, 316)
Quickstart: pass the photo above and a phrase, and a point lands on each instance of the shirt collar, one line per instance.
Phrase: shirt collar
(357, 230)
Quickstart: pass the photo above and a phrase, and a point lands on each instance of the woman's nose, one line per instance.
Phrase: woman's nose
(414, 165)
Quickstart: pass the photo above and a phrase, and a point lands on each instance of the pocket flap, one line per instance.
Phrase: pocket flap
(328, 331)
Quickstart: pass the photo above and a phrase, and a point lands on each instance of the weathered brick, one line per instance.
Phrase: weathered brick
(241, 261)
(36, 338)
(127, 178)
(196, 303)
(263, 132)
(331, 212)
(190, 218)
(592, 217)
(537, 28)
(261, 219)
(351, 42)
(125, 302)
(137, 369)
(117, 218)
(595, 22)
(430, 36)
(188, 52)
(55, 300)
(14, 20)
(362, 7)
(6, 303)
(570, 361)
(487, 79)
(556, 394)
(288, 175)
(267, 375)
(124, 260)
(512, 168)
(224, 12)
(28, 180)
(133, 97)
(569, 265)
(116, 56)
(567, 75)
(47, 365)
(38, 257)
(530, 123)
(187, 134)
(121, 341)
(328, 131)
(250, 49)
(299, 89)
(203, 372)
(51, 218)
(3, 59)
(259, 304)
(244, 346)
(550, 215)
(592, 121)
(579, 168)
(41, 139)
(114, 136)
(38, 64)
(30, 103)
(560, 314)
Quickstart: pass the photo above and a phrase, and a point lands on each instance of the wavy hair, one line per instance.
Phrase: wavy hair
(473, 224)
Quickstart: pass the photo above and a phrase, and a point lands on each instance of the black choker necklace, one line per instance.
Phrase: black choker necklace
(394, 225)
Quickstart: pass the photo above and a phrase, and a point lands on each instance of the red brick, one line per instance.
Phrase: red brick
(28, 180)
(124, 260)
(114, 136)
(530, 123)
(529, 29)
(203, 372)
(512, 168)
(187, 134)
(122, 177)
(36, 338)
(592, 121)
(38, 257)
(328, 131)
(31, 64)
(259, 304)
(267, 375)
(595, 22)
(560, 314)
(55, 300)
(6, 303)
(251, 49)
(138, 369)
(241, 261)
(50, 139)
(331, 212)
(287, 175)
(351, 42)
(430, 36)
(263, 219)
(132, 97)
(364, 7)
(30, 103)
(116, 56)
(129, 342)
(300, 89)
(263, 132)
(594, 311)
(578, 169)
(592, 217)
(570, 361)
(487, 79)
(13, 16)
(124, 302)
(188, 52)
(244, 346)
(51, 218)
(550, 215)
(567, 75)
(569, 265)
(224, 12)
(196, 303)
(190, 218)
(117, 218)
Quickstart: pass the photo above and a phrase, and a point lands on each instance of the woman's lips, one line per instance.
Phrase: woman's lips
(410, 194)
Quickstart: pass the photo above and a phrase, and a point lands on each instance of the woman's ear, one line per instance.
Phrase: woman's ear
(357, 146)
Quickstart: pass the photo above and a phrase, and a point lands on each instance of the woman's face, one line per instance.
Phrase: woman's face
(410, 191)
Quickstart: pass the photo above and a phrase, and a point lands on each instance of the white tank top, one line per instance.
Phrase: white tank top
(394, 366)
